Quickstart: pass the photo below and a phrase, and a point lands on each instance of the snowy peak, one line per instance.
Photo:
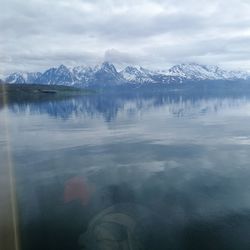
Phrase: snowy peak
(142, 76)
(23, 77)
(108, 67)
(57, 75)
(81, 69)
(83, 74)
(194, 71)
(137, 75)
(18, 77)
(62, 70)
(106, 74)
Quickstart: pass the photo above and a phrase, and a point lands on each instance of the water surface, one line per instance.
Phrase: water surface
(177, 166)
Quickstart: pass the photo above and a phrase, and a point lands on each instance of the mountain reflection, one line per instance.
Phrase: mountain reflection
(109, 105)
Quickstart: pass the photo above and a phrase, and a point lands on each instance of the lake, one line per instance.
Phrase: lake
(130, 171)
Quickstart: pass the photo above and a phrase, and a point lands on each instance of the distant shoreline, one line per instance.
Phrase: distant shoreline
(10, 93)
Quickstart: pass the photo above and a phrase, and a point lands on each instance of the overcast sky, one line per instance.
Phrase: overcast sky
(37, 34)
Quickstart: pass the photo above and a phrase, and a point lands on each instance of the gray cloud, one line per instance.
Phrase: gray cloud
(119, 57)
(36, 34)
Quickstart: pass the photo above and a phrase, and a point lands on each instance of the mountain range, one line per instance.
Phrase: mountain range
(106, 74)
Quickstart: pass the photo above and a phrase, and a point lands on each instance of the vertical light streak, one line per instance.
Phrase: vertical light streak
(11, 175)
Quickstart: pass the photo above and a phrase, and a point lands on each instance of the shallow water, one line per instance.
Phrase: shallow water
(177, 166)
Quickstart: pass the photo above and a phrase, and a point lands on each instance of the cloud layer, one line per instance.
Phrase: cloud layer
(37, 34)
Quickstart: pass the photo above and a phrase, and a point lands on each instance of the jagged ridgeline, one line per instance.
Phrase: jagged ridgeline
(106, 74)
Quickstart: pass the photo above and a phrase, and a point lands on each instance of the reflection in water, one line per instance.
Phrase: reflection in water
(133, 172)
(109, 106)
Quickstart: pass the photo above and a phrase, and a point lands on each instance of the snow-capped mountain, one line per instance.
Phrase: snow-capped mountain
(194, 71)
(141, 75)
(83, 74)
(137, 75)
(106, 74)
(23, 77)
(55, 75)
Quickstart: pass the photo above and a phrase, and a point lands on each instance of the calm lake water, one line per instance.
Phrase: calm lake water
(153, 171)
